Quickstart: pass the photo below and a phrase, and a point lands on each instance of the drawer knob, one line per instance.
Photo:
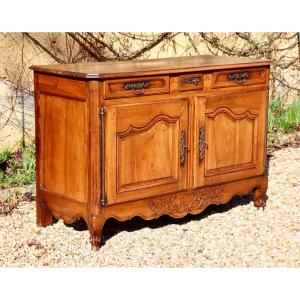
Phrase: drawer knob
(239, 77)
(137, 87)
(192, 80)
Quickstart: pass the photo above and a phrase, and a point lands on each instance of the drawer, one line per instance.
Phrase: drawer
(190, 82)
(238, 77)
(135, 87)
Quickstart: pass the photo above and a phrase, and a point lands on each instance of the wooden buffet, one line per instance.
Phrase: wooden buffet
(148, 138)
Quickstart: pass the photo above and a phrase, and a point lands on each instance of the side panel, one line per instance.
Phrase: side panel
(64, 143)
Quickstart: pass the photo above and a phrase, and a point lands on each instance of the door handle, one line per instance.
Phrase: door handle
(192, 80)
(137, 87)
(239, 77)
(202, 144)
(182, 147)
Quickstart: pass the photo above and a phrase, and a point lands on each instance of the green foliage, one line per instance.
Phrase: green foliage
(284, 119)
(18, 168)
(4, 155)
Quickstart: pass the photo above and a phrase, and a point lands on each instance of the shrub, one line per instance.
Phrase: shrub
(284, 119)
(17, 168)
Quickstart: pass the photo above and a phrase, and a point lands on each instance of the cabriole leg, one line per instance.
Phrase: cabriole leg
(95, 228)
(95, 240)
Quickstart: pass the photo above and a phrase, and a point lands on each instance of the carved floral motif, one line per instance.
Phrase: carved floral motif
(186, 202)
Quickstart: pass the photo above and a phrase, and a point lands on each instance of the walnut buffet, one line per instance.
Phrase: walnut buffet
(148, 138)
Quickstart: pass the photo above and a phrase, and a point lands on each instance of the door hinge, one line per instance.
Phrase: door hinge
(102, 168)
(102, 111)
(103, 201)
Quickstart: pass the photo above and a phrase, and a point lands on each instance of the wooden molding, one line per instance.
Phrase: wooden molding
(179, 204)
(234, 116)
(136, 130)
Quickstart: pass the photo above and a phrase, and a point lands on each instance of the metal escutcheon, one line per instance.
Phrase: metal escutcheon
(202, 144)
(239, 77)
(137, 87)
(192, 80)
(182, 147)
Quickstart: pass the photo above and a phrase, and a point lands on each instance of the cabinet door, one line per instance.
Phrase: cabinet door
(231, 137)
(144, 149)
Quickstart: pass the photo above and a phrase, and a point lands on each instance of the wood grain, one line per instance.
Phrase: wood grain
(234, 132)
(43, 214)
(221, 79)
(178, 205)
(142, 173)
(157, 85)
(143, 150)
(64, 149)
(183, 85)
(95, 220)
(147, 67)
(66, 88)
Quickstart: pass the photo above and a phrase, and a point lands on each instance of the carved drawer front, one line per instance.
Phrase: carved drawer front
(190, 82)
(135, 87)
(238, 77)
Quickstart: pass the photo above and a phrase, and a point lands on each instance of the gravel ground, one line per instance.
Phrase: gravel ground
(232, 235)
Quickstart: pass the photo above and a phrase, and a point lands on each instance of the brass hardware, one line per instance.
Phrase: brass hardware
(239, 78)
(182, 147)
(137, 87)
(192, 80)
(202, 144)
(102, 196)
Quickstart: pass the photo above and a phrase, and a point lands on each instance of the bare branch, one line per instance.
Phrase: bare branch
(148, 47)
(37, 43)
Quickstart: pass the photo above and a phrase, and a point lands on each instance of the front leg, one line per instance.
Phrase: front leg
(259, 196)
(95, 227)
(95, 240)
(43, 214)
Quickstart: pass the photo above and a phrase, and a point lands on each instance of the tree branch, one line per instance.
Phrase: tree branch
(87, 49)
(162, 37)
(37, 43)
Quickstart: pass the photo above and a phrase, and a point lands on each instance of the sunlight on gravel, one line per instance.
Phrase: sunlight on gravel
(232, 235)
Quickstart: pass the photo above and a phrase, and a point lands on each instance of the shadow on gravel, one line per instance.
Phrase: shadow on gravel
(112, 227)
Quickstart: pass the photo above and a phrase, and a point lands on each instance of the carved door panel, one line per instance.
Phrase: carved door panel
(231, 137)
(145, 150)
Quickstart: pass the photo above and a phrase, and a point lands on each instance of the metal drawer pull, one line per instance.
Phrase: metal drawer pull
(192, 80)
(202, 144)
(137, 87)
(182, 147)
(239, 78)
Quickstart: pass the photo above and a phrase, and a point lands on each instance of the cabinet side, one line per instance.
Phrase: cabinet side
(43, 215)
(62, 136)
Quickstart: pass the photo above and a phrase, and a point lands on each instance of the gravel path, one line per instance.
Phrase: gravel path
(232, 235)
